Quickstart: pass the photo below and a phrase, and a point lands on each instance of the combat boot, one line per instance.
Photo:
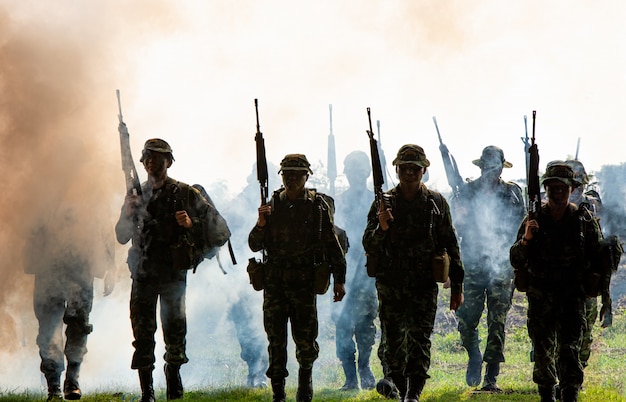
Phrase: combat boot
(71, 389)
(474, 367)
(569, 394)
(145, 380)
(349, 369)
(387, 388)
(546, 393)
(491, 373)
(368, 381)
(173, 381)
(305, 385)
(414, 388)
(278, 390)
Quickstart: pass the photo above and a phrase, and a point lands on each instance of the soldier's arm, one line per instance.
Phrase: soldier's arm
(449, 240)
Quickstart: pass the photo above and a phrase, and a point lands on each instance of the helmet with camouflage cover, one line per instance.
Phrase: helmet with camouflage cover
(560, 172)
(156, 145)
(413, 154)
(295, 162)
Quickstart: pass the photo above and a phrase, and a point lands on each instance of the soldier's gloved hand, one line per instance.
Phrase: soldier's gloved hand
(122, 128)
(131, 204)
(606, 315)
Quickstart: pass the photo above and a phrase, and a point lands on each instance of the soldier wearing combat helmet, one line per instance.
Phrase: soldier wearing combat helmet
(557, 249)
(296, 231)
(162, 222)
(404, 235)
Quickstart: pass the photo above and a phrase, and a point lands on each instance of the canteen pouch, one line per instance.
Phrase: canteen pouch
(441, 267)
(255, 272)
(183, 254)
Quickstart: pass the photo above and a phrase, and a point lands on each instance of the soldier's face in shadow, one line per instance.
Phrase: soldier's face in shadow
(410, 173)
(294, 180)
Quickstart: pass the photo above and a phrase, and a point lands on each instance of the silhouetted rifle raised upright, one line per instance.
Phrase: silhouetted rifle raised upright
(133, 185)
(331, 170)
(534, 189)
(455, 181)
(377, 172)
(261, 161)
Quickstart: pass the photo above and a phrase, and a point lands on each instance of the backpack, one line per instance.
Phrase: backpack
(216, 233)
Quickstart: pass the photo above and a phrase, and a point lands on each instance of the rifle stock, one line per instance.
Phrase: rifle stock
(455, 181)
(133, 186)
(261, 161)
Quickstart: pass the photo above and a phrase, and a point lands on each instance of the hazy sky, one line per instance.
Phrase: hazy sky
(189, 72)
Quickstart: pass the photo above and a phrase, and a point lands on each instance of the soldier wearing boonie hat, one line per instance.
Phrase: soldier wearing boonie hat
(487, 213)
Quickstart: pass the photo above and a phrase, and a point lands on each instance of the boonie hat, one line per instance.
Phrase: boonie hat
(492, 157)
(295, 162)
(580, 173)
(411, 153)
(157, 145)
(560, 172)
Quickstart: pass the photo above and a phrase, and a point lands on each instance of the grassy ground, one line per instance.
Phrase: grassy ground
(605, 377)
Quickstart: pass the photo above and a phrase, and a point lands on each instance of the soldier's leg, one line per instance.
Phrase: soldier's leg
(275, 315)
(174, 321)
(591, 315)
(468, 316)
(499, 299)
(570, 332)
(542, 321)
(49, 308)
(143, 304)
(345, 348)
(392, 314)
(79, 304)
(304, 330)
(365, 335)
(420, 322)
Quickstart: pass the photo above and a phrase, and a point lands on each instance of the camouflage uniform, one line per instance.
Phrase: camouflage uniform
(407, 292)
(354, 318)
(155, 277)
(491, 210)
(294, 243)
(558, 260)
(63, 293)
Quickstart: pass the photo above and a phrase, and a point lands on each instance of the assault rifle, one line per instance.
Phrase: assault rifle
(133, 186)
(455, 181)
(377, 172)
(381, 153)
(261, 161)
(331, 170)
(534, 190)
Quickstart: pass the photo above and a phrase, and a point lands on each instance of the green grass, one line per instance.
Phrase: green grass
(605, 377)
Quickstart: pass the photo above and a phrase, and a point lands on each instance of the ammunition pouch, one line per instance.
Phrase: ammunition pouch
(321, 278)
(441, 267)
(521, 279)
(255, 273)
(184, 254)
(372, 264)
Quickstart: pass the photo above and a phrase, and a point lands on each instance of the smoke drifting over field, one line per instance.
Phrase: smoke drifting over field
(188, 72)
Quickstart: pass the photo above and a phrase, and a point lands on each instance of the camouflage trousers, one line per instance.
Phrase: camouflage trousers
(591, 315)
(555, 325)
(143, 309)
(291, 301)
(407, 308)
(497, 293)
(354, 325)
(59, 301)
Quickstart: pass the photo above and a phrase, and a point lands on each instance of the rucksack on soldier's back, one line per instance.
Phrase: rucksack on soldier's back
(217, 233)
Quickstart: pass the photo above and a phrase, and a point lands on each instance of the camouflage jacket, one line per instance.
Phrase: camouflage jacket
(154, 230)
(486, 220)
(420, 228)
(562, 252)
(300, 232)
